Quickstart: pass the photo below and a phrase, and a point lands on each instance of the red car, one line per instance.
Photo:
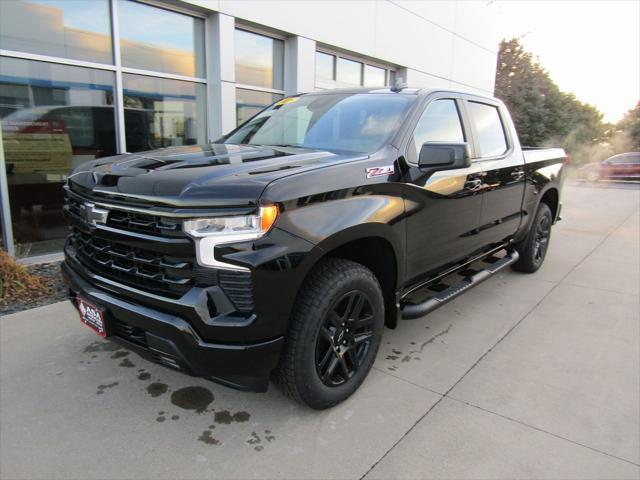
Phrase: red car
(624, 166)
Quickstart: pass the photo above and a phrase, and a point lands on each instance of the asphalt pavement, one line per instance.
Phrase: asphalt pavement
(525, 376)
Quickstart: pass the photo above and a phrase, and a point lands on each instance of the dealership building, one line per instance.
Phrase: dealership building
(81, 80)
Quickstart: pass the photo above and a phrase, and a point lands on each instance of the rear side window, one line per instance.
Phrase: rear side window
(440, 122)
(491, 136)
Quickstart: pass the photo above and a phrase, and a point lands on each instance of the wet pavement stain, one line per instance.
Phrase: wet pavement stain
(144, 376)
(156, 389)
(192, 398)
(254, 440)
(126, 363)
(226, 417)
(102, 388)
(102, 346)
(208, 439)
(175, 417)
(413, 354)
(161, 419)
(118, 354)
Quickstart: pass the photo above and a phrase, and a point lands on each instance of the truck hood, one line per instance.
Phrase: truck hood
(198, 176)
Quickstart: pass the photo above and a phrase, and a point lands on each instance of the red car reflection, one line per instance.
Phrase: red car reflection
(624, 166)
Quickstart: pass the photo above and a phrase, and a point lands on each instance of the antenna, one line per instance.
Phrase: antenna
(399, 84)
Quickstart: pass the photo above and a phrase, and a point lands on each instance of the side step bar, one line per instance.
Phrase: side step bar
(411, 311)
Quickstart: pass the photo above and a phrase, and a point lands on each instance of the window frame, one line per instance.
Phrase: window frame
(416, 115)
(476, 151)
(327, 85)
(412, 134)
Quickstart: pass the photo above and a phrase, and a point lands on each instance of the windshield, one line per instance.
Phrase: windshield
(359, 123)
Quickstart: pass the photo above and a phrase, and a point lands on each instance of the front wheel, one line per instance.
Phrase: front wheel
(533, 249)
(593, 175)
(334, 334)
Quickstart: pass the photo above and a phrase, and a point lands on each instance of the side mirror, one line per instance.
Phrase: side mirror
(446, 156)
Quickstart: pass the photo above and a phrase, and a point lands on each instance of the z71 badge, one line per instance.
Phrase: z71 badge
(380, 171)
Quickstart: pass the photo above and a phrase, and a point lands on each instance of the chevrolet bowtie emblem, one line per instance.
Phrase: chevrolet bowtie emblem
(94, 215)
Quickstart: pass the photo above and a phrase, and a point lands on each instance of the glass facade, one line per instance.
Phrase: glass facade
(155, 39)
(325, 66)
(58, 28)
(57, 113)
(336, 71)
(162, 113)
(259, 60)
(250, 102)
(259, 67)
(54, 117)
(374, 76)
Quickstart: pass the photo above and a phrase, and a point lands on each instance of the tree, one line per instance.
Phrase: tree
(630, 125)
(540, 110)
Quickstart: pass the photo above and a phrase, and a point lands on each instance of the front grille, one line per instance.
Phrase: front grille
(137, 267)
(139, 222)
(127, 253)
(238, 286)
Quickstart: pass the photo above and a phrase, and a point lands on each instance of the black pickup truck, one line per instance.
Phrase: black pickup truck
(284, 249)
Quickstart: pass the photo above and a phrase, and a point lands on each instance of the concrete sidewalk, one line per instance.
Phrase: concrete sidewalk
(526, 376)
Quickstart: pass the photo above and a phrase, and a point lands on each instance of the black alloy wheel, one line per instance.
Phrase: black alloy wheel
(533, 248)
(542, 234)
(344, 338)
(334, 334)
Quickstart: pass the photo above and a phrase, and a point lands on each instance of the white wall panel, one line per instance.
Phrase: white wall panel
(408, 40)
(473, 66)
(442, 12)
(477, 21)
(347, 24)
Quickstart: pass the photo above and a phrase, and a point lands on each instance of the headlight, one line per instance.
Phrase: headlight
(211, 232)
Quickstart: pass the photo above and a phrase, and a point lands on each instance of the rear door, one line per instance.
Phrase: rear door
(503, 171)
(443, 206)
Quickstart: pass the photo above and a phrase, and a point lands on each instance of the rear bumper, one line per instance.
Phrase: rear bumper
(170, 340)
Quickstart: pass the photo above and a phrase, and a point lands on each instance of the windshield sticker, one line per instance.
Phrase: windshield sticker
(284, 101)
(380, 171)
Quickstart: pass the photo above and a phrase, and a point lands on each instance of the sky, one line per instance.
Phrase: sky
(590, 48)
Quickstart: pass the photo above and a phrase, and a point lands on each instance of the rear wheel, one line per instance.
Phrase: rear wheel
(334, 334)
(533, 249)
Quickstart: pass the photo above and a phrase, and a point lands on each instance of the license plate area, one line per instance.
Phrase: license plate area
(92, 316)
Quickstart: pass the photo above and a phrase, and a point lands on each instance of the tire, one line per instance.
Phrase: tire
(328, 331)
(533, 249)
(593, 175)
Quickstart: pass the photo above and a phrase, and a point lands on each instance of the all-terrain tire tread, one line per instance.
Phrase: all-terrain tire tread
(309, 300)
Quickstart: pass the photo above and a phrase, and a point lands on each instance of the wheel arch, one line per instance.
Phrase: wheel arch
(376, 247)
(551, 197)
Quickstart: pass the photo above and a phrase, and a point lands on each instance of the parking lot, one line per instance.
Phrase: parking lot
(525, 376)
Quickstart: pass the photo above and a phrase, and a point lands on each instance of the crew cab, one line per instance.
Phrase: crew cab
(284, 249)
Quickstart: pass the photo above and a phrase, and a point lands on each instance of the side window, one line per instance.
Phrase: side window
(440, 122)
(491, 136)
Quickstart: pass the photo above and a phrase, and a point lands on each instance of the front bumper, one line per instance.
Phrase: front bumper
(170, 340)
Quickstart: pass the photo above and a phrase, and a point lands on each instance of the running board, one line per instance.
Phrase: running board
(411, 311)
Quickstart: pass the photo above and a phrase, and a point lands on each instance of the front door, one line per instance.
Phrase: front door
(442, 207)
